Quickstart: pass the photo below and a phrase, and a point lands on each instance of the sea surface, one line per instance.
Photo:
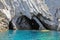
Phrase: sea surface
(29, 35)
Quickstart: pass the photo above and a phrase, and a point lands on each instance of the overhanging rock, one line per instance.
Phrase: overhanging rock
(30, 8)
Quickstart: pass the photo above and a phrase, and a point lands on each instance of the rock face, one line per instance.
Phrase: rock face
(54, 8)
(3, 22)
(31, 14)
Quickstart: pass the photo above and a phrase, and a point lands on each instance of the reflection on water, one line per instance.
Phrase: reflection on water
(29, 35)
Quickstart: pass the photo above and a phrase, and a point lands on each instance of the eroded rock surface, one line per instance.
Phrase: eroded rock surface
(3, 22)
(43, 14)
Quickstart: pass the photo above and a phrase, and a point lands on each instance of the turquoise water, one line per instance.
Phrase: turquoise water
(29, 35)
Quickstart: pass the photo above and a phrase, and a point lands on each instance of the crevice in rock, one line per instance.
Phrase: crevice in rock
(10, 25)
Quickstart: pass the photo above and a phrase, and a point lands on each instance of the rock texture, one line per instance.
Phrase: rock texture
(3, 22)
(54, 8)
(32, 14)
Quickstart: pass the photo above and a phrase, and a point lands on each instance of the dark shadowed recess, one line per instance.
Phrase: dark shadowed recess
(33, 24)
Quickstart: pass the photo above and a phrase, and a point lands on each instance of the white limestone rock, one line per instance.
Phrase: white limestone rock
(30, 8)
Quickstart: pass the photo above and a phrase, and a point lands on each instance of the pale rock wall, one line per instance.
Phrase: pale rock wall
(45, 10)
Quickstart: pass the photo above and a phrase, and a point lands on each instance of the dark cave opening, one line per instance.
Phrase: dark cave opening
(33, 24)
